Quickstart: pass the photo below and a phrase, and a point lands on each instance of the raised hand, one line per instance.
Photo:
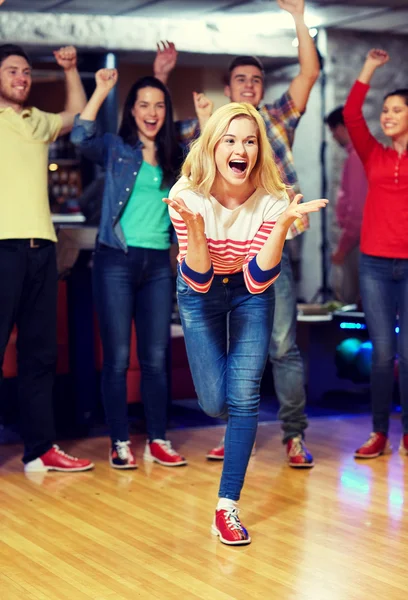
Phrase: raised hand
(296, 209)
(294, 7)
(192, 220)
(377, 57)
(66, 57)
(166, 59)
(106, 79)
(203, 107)
(374, 59)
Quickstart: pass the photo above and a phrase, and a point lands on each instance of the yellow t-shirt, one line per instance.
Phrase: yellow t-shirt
(24, 141)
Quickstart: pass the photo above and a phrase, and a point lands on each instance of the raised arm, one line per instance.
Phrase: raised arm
(75, 94)
(165, 61)
(84, 130)
(375, 58)
(105, 81)
(203, 107)
(189, 130)
(363, 141)
(302, 84)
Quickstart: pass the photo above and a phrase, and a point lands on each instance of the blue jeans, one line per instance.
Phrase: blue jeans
(287, 364)
(384, 293)
(227, 332)
(136, 285)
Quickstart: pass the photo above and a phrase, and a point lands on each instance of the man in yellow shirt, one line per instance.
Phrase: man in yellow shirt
(28, 273)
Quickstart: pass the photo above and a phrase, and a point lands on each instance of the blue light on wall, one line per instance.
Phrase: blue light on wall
(352, 325)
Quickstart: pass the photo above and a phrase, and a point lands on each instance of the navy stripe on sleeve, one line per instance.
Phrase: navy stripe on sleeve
(261, 276)
(194, 276)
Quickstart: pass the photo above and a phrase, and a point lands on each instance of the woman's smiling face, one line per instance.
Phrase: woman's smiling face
(237, 151)
(394, 117)
(149, 112)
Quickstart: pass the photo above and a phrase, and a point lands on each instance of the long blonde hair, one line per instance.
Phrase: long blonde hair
(200, 169)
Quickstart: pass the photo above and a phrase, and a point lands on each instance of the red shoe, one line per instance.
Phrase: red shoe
(403, 447)
(217, 453)
(376, 445)
(229, 528)
(57, 460)
(299, 456)
(160, 451)
(121, 456)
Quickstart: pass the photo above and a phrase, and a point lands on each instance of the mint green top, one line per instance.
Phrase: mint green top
(145, 220)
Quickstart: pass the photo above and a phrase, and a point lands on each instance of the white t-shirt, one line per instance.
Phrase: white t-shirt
(234, 236)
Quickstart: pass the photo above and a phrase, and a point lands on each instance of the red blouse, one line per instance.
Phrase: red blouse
(385, 220)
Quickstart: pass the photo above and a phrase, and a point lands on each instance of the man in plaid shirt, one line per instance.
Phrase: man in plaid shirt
(245, 83)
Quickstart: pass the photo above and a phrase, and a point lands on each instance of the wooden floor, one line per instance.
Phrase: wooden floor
(336, 532)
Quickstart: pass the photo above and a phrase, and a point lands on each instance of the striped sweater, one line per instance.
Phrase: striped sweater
(234, 236)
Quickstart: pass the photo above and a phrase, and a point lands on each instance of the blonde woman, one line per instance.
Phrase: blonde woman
(231, 214)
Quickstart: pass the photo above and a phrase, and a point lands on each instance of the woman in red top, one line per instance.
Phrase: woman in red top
(384, 249)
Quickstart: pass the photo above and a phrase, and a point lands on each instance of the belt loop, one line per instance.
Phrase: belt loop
(33, 244)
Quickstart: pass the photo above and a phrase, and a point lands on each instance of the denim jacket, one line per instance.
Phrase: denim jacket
(122, 164)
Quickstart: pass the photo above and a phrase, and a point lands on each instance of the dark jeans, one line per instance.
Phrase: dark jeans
(136, 285)
(287, 364)
(28, 298)
(384, 292)
(227, 333)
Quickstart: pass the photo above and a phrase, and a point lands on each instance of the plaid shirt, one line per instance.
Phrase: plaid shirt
(281, 119)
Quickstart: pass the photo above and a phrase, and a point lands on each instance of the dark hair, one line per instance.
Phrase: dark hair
(169, 153)
(403, 92)
(7, 50)
(335, 118)
(243, 61)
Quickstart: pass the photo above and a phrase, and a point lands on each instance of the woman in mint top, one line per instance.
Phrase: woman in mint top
(132, 276)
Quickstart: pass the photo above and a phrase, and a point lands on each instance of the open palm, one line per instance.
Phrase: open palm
(166, 58)
(191, 219)
(296, 209)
